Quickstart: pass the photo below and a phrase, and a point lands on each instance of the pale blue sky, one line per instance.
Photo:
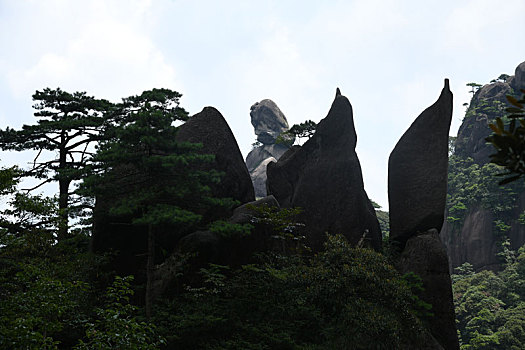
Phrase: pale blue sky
(388, 57)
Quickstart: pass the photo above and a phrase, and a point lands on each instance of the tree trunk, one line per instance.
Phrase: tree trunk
(63, 196)
(150, 271)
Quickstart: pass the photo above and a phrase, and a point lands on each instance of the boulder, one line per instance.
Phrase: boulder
(268, 121)
(475, 129)
(425, 255)
(205, 247)
(323, 177)
(211, 130)
(259, 177)
(261, 153)
(518, 81)
(417, 172)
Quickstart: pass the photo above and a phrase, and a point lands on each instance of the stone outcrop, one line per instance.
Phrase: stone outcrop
(269, 122)
(473, 240)
(261, 153)
(323, 177)
(211, 130)
(475, 128)
(487, 103)
(259, 176)
(417, 172)
(518, 80)
(417, 191)
(115, 233)
(205, 247)
(425, 255)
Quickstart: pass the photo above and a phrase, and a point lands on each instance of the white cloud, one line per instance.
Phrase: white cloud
(108, 56)
(472, 22)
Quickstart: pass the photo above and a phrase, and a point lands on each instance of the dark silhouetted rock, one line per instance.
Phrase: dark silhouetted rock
(417, 172)
(210, 247)
(209, 128)
(234, 251)
(425, 255)
(323, 177)
(115, 233)
(268, 121)
(417, 191)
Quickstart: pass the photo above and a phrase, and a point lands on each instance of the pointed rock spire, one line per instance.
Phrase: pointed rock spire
(417, 192)
(417, 172)
(211, 129)
(323, 177)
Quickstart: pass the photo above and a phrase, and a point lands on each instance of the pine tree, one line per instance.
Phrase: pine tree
(149, 176)
(68, 126)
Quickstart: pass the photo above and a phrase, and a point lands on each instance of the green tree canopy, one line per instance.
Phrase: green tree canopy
(68, 126)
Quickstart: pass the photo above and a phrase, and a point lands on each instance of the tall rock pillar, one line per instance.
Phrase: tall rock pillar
(417, 192)
(323, 177)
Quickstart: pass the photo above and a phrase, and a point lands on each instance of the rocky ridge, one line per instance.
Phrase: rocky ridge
(475, 239)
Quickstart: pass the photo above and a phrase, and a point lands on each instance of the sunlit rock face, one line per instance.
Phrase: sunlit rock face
(323, 177)
(268, 122)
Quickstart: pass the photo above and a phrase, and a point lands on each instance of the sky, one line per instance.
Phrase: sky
(388, 57)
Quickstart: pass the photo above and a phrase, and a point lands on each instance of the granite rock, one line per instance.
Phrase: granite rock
(323, 177)
(417, 172)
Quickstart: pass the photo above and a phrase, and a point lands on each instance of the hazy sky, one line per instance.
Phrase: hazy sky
(388, 57)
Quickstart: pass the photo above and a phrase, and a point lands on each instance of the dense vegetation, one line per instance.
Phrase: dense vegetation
(490, 306)
(57, 294)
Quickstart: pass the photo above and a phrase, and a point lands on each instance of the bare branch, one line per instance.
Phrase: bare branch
(37, 186)
(38, 155)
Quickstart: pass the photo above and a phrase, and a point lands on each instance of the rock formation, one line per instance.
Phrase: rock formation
(207, 247)
(212, 248)
(473, 239)
(486, 104)
(269, 122)
(211, 130)
(417, 190)
(116, 233)
(323, 177)
(417, 172)
(425, 255)
(475, 242)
